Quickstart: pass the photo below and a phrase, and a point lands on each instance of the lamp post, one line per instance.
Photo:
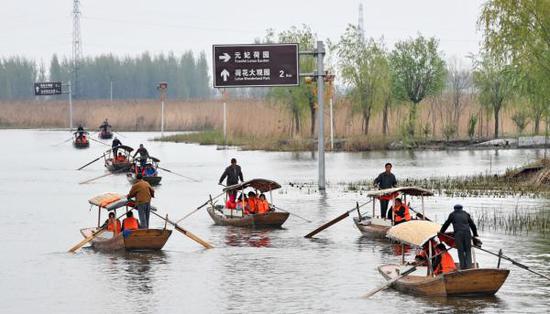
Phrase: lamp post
(162, 87)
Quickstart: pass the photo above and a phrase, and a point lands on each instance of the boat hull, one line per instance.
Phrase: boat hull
(81, 144)
(151, 180)
(370, 230)
(469, 282)
(105, 135)
(268, 220)
(137, 240)
(118, 166)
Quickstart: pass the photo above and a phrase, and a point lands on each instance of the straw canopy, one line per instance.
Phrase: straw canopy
(261, 185)
(414, 232)
(409, 190)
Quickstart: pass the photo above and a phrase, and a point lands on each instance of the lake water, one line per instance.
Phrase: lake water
(255, 271)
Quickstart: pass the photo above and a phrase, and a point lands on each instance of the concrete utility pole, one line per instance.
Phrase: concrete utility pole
(320, 53)
(70, 105)
(162, 87)
(77, 46)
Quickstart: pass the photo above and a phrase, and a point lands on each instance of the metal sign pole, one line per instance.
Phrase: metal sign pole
(70, 106)
(162, 117)
(331, 126)
(320, 98)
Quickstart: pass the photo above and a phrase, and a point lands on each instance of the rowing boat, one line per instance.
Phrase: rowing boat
(81, 140)
(475, 281)
(223, 216)
(129, 240)
(374, 226)
(468, 282)
(148, 170)
(113, 164)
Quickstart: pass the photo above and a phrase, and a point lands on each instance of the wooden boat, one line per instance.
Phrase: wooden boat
(105, 134)
(469, 282)
(129, 240)
(81, 141)
(149, 171)
(135, 240)
(114, 165)
(376, 227)
(231, 217)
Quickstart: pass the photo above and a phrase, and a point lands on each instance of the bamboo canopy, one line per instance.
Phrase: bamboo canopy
(409, 190)
(261, 185)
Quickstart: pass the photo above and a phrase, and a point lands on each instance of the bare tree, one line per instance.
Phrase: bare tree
(459, 80)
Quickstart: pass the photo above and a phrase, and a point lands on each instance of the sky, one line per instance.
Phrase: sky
(41, 28)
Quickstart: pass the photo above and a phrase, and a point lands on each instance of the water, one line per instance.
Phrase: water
(259, 271)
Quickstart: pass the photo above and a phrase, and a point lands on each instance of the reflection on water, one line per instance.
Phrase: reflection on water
(276, 271)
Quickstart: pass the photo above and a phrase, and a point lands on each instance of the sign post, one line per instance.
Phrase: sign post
(255, 65)
(56, 88)
(320, 53)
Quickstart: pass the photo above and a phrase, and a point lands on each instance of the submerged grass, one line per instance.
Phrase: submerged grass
(519, 221)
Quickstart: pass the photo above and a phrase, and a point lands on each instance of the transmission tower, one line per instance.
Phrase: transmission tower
(77, 47)
(361, 23)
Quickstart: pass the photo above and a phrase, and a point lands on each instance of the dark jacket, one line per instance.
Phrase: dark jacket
(116, 142)
(233, 174)
(462, 223)
(143, 153)
(385, 180)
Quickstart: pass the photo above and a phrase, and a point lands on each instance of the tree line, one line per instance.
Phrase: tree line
(131, 77)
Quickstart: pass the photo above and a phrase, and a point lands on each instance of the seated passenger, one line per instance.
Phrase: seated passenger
(251, 204)
(400, 212)
(120, 158)
(113, 224)
(231, 203)
(130, 223)
(263, 205)
(150, 171)
(443, 261)
(241, 202)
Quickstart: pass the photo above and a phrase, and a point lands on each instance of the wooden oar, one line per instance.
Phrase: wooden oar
(120, 134)
(293, 214)
(419, 215)
(90, 238)
(103, 176)
(389, 283)
(91, 162)
(198, 208)
(181, 175)
(64, 141)
(185, 232)
(335, 220)
(514, 262)
(93, 139)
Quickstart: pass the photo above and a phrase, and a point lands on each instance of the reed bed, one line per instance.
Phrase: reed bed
(245, 117)
(518, 221)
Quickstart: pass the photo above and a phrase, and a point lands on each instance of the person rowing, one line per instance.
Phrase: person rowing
(462, 223)
(385, 180)
(143, 154)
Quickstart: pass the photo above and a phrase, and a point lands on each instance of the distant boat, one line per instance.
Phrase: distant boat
(114, 163)
(149, 171)
(81, 140)
(232, 217)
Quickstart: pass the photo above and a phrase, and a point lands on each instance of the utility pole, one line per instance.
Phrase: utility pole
(162, 87)
(111, 94)
(77, 46)
(320, 53)
(70, 105)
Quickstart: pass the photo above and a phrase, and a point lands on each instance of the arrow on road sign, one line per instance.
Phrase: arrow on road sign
(226, 57)
(225, 75)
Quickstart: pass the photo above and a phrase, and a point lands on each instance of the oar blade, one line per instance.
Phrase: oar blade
(389, 283)
(328, 224)
(85, 241)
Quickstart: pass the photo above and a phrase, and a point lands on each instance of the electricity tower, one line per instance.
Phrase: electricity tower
(77, 48)
(361, 23)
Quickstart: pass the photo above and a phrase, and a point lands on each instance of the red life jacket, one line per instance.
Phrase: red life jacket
(111, 227)
(446, 265)
(130, 223)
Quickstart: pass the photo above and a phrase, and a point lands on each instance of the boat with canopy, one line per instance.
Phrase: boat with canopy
(118, 159)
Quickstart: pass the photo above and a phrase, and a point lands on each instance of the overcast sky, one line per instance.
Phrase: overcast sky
(40, 28)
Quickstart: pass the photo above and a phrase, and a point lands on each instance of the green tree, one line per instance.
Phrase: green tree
(518, 33)
(418, 70)
(494, 85)
(364, 68)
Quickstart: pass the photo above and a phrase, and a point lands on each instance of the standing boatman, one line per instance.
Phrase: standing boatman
(116, 142)
(233, 173)
(462, 223)
(143, 192)
(385, 180)
(143, 154)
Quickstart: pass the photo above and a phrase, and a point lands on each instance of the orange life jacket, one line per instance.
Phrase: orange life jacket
(111, 227)
(263, 206)
(252, 206)
(406, 216)
(130, 223)
(120, 158)
(446, 265)
(388, 197)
